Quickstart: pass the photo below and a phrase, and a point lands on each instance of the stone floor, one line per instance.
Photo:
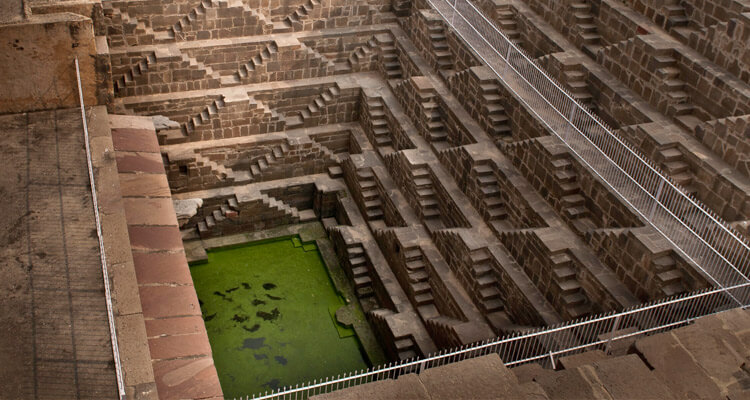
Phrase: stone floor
(54, 334)
(705, 360)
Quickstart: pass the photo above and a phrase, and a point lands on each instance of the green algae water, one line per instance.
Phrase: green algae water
(269, 310)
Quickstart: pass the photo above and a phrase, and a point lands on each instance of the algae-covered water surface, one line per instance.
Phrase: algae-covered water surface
(269, 311)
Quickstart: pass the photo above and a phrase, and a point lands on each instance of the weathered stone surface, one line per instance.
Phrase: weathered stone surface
(44, 47)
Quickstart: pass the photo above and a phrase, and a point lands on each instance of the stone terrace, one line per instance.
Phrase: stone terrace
(456, 214)
(684, 363)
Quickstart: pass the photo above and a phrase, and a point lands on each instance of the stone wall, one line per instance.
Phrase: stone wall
(325, 14)
(699, 13)
(285, 59)
(730, 139)
(725, 44)
(227, 164)
(645, 262)
(655, 69)
(700, 173)
(226, 59)
(465, 165)
(45, 47)
(545, 269)
(569, 187)
(166, 71)
(536, 43)
(236, 114)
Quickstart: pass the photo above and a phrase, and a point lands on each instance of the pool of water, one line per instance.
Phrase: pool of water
(269, 310)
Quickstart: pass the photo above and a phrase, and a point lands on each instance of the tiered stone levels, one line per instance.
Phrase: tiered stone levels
(455, 212)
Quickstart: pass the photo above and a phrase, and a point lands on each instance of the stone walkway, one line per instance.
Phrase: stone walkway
(54, 335)
(177, 340)
(705, 360)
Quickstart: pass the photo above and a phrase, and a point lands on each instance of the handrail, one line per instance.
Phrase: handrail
(102, 254)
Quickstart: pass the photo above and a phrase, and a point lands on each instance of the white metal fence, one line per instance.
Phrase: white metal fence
(102, 254)
(544, 344)
(697, 232)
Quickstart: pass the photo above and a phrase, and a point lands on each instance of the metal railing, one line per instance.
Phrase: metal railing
(545, 344)
(102, 254)
(696, 231)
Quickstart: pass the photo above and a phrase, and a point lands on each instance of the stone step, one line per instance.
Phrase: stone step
(576, 212)
(570, 286)
(424, 298)
(421, 287)
(419, 276)
(669, 277)
(671, 154)
(492, 305)
(359, 271)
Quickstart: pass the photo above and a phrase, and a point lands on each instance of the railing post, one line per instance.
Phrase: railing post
(455, 10)
(615, 327)
(552, 359)
(656, 199)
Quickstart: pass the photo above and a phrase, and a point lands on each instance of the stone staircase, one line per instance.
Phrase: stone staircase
(185, 23)
(229, 210)
(144, 34)
(296, 21)
(381, 134)
(221, 172)
(669, 278)
(678, 100)
(677, 22)
(404, 345)
(673, 162)
(572, 202)
(440, 50)
(187, 27)
(204, 117)
(435, 131)
(154, 63)
(498, 121)
(255, 65)
(360, 271)
(274, 156)
(588, 33)
(575, 79)
(492, 205)
(506, 21)
(313, 109)
(212, 224)
(139, 69)
(361, 55)
(389, 59)
(419, 284)
(425, 192)
(487, 294)
(573, 299)
(371, 201)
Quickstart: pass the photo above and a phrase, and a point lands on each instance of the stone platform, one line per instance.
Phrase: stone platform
(705, 360)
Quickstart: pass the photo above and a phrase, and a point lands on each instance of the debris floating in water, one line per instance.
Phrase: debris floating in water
(269, 316)
(240, 318)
